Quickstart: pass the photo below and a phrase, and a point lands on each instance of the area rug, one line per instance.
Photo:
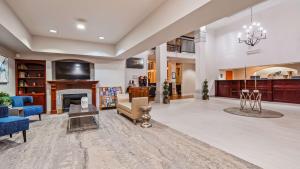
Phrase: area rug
(117, 144)
(250, 113)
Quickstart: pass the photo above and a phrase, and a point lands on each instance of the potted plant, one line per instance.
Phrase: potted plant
(5, 99)
(166, 99)
(205, 90)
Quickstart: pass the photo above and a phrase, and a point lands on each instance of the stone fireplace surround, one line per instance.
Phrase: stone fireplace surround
(58, 86)
(71, 96)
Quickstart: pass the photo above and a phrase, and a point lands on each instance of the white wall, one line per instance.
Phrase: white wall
(10, 87)
(133, 74)
(188, 79)
(75, 47)
(109, 72)
(11, 22)
(212, 72)
(281, 46)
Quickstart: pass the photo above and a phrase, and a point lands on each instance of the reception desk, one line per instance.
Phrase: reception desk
(281, 90)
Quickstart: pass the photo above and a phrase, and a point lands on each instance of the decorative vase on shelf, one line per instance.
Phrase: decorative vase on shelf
(84, 102)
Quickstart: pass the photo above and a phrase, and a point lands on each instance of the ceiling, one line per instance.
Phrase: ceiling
(245, 13)
(10, 42)
(102, 17)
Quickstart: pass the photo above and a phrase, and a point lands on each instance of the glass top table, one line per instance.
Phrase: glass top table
(82, 119)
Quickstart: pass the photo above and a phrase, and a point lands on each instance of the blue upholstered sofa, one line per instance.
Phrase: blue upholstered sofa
(30, 110)
(12, 124)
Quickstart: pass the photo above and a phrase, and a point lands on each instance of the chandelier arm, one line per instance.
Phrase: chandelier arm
(256, 42)
(250, 41)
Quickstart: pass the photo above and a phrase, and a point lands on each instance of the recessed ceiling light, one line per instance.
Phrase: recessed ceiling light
(101, 37)
(53, 31)
(80, 26)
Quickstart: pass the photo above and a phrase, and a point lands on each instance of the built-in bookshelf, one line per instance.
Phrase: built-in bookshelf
(31, 80)
(108, 97)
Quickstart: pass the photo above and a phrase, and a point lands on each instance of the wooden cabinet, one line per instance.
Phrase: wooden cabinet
(281, 90)
(31, 80)
(138, 92)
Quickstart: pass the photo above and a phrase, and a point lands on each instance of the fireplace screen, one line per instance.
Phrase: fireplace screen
(69, 99)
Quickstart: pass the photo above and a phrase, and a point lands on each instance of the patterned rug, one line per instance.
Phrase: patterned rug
(117, 144)
(250, 113)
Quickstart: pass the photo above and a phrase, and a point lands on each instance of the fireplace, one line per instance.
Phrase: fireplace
(59, 85)
(69, 99)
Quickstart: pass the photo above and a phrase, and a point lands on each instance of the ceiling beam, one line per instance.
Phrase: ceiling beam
(162, 26)
(10, 22)
(75, 47)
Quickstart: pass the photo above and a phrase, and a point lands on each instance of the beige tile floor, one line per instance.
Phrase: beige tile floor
(268, 143)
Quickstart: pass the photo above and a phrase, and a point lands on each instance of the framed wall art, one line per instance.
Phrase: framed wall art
(3, 70)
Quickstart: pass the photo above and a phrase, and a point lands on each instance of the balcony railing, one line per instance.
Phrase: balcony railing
(182, 44)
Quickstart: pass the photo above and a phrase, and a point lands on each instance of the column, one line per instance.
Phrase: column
(200, 61)
(161, 70)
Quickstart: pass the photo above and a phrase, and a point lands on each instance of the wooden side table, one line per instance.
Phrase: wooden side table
(16, 111)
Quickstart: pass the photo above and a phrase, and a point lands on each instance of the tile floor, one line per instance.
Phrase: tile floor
(268, 143)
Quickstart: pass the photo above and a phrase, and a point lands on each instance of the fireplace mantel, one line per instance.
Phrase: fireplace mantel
(71, 84)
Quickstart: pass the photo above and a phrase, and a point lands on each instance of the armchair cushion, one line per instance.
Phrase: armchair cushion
(13, 124)
(32, 110)
(3, 111)
(125, 106)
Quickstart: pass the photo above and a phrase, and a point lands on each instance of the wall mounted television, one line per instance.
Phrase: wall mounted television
(72, 70)
(135, 63)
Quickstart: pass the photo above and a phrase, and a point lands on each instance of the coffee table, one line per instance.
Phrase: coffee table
(79, 114)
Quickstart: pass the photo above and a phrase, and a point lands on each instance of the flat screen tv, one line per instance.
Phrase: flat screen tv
(135, 63)
(72, 70)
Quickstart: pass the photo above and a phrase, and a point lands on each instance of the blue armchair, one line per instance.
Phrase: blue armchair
(30, 110)
(12, 124)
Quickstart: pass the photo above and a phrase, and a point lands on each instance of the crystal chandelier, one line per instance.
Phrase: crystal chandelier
(253, 33)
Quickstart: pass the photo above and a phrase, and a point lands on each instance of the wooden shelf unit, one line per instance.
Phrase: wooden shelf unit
(31, 80)
(108, 97)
